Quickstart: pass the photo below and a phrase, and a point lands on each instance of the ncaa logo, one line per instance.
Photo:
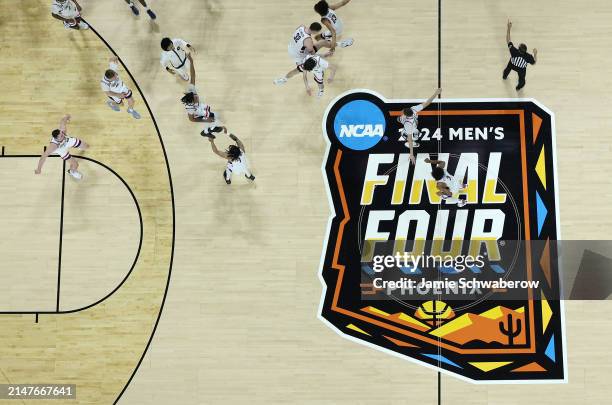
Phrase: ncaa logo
(359, 125)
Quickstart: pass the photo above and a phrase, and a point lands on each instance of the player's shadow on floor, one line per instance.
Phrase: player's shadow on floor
(153, 27)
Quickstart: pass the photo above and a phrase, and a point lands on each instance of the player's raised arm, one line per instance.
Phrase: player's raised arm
(238, 142)
(339, 4)
(216, 150)
(508, 31)
(50, 149)
(64, 122)
(113, 60)
(78, 6)
(430, 99)
(535, 56)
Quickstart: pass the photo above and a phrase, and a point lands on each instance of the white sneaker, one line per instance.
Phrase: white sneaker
(75, 174)
(83, 25)
(461, 203)
(402, 138)
(133, 113)
(346, 43)
(113, 106)
(280, 81)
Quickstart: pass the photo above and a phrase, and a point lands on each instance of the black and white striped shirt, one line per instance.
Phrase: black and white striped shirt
(518, 59)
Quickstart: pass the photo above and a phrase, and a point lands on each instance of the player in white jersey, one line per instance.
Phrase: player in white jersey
(60, 145)
(318, 66)
(410, 121)
(143, 3)
(237, 162)
(198, 111)
(176, 58)
(69, 12)
(332, 22)
(116, 90)
(448, 186)
(302, 45)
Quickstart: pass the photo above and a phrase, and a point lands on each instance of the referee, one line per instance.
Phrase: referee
(519, 58)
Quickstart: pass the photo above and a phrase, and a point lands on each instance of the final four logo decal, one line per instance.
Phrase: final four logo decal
(469, 289)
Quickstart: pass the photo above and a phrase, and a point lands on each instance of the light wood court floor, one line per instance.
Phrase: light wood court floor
(571, 79)
(48, 71)
(240, 322)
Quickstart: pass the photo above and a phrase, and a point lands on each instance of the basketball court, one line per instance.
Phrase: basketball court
(151, 281)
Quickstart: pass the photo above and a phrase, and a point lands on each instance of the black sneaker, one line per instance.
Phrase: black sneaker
(251, 177)
(216, 129)
(151, 14)
(134, 9)
(225, 177)
(207, 134)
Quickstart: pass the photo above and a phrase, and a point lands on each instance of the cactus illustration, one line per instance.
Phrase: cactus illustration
(508, 331)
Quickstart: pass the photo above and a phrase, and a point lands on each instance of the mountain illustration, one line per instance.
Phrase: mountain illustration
(486, 327)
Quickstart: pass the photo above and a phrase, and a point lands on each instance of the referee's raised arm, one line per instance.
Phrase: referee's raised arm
(508, 32)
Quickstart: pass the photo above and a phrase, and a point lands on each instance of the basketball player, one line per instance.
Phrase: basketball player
(302, 45)
(330, 19)
(237, 162)
(60, 145)
(317, 65)
(68, 11)
(448, 186)
(144, 4)
(410, 120)
(116, 90)
(176, 58)
(200, 112)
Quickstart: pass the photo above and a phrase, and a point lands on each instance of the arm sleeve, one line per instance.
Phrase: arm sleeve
(512, 49)
(417, 108)
(104, 86)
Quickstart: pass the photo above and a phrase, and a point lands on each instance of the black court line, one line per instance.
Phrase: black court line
(2, 150)
(61, 236)
(439, 144)
(36, 318)
(92, 29)
(118, 286)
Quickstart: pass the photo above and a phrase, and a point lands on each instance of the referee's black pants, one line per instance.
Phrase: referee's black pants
(521, 74)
